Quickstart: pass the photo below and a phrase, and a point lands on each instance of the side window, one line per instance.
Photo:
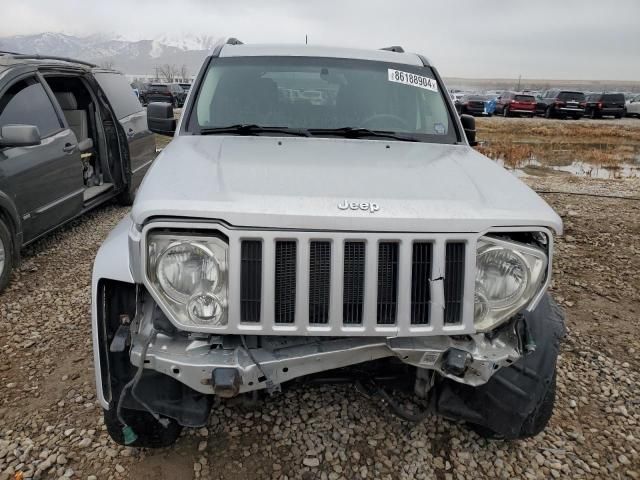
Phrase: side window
(120, 94)
(27, 103)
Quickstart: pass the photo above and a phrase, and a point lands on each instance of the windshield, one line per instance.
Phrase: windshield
(313, 93)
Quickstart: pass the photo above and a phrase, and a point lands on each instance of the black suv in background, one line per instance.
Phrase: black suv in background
(603, 104)
(471, 104)
(72, 136)
(556, 103)
(171, 93)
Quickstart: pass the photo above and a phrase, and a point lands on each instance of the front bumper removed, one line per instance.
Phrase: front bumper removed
(230, 365)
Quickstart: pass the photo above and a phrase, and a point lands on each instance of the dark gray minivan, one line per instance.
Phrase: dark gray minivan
(72, 136)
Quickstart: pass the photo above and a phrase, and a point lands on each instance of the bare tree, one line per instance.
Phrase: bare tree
(168, 72)
(107, 64)
(184, 73)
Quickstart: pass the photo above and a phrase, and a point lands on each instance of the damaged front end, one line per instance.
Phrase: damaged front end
(495, 379)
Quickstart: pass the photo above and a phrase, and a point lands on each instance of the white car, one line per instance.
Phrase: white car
(633, 107)
(274, 239)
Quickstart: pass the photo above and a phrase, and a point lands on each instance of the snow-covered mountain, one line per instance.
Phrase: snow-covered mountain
(134, 57)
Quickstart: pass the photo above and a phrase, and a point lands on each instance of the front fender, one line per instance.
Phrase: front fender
(111, 263)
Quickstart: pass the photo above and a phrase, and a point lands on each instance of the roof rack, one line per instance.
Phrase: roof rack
(3, 52)
(22, 56)
(394, 48)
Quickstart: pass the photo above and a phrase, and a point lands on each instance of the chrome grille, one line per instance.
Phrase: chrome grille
(285, 282)
(353, 291)
(387, 282)
(420, 288)
(319, 281)
(351, 284)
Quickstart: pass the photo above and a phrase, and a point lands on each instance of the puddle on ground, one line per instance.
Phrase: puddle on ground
(533, 167)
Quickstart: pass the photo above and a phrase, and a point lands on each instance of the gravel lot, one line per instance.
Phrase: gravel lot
(51, 427)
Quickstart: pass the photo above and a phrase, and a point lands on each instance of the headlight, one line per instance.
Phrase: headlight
(508, 276)
(188, 273)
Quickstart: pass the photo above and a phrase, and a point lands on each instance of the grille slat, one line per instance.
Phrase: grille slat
(454, 282)
(420, 286)
(319, 281)
(250, 280)
(285, 282)
(387, 283)
(353, 286)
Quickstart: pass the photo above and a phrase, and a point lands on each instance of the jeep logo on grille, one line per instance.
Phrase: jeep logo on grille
(372, 207)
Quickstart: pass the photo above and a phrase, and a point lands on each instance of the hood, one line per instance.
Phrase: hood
(299, 183)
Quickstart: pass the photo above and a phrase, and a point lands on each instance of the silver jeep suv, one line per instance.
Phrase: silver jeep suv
(320, 209)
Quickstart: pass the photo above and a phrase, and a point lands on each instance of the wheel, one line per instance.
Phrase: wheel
(535, 423)
(547, 113)
(150, 434)
(592, 114)
(127, 196)
(505, 112)
(6, 254)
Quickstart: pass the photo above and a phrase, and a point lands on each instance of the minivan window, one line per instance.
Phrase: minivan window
(121, 96)
(322, 93)
(27, 103)
(525, 98)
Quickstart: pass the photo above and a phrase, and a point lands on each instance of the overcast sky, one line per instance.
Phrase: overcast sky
(559, 39)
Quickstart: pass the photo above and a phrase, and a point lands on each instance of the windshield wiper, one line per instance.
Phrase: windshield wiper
(353, 132)
(253, 129)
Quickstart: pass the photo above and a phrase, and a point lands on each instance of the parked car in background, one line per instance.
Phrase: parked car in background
(72, 136)
(557, 103)
(633, 107)
(472, 104)
(605, 104)
(166, 92)
(513, 103)
(185, 87)
(143, 89)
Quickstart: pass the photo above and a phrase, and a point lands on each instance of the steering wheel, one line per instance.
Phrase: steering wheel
(401, 122)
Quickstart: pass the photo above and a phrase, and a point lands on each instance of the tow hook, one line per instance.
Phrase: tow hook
(226, 382)
(456, 361)
(122, 335)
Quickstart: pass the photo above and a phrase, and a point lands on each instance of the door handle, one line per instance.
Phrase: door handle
(69, 147)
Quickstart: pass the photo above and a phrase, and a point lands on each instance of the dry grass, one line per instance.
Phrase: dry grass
(559, 143)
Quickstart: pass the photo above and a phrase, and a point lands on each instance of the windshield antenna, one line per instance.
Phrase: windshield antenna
(306, 39)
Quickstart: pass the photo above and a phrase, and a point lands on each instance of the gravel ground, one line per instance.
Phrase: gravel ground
(51, 426)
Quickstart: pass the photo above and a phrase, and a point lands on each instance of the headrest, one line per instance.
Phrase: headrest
(67, 100)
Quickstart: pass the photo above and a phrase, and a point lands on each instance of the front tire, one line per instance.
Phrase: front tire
(6, 255)
(505, 112)
(150, 434)
(535, 423)
(547, 113)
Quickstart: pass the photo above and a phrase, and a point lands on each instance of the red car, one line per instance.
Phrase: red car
(512, 103)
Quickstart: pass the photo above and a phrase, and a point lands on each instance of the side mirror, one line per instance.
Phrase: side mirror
(160, 118)
(19, 136)
(469, 125)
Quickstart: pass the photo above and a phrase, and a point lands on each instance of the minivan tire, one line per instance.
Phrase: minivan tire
(547, 113)
(6, 254)
(505, 112)
(149, 432)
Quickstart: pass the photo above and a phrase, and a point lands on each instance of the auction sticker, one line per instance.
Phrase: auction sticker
(412, 79)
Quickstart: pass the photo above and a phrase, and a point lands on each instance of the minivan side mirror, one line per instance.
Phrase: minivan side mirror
(469, 125)
(160, 118)
(19, 136)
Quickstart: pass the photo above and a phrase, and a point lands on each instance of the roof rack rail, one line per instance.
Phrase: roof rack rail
(4, 52)
(23, 56)
(394, 48)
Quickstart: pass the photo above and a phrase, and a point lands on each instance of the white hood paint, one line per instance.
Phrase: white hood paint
(297, 182)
